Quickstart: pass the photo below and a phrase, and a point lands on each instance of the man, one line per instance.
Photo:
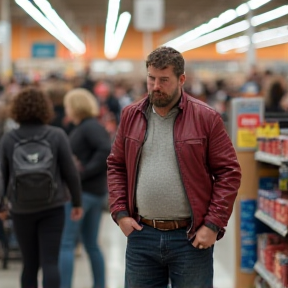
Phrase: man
(173, 177)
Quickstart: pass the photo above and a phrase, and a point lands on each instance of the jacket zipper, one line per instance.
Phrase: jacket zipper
(137, 162)
(192, 216)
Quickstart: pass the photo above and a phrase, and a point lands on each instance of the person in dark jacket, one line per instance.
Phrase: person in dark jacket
(173, 177)
(90, 144)
(39, 225)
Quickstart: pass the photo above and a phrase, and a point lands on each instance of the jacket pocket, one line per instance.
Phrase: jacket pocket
(197, 148)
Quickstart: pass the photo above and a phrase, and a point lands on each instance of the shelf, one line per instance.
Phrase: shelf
(267, 276)
(269, 158)
(272, 223)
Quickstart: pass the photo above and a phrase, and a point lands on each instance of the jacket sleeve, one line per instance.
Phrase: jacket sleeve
(226, 172)
(100, 143)
(68, 169)
(117, 174)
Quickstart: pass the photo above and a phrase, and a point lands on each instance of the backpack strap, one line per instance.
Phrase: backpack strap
(16, 137)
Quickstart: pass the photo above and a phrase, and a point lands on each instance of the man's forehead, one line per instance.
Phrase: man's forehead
(165, 72)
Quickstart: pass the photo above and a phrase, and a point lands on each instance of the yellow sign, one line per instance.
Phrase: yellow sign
(246, 138)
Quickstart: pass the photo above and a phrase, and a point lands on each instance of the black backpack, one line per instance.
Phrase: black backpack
(33, 176)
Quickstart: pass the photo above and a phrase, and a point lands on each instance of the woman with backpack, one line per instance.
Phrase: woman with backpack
(91, 145)
(36, 165)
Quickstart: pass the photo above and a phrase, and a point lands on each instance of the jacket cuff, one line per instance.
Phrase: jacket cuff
(119, 215)
(212, 226)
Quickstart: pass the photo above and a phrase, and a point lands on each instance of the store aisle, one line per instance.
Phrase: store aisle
(113, 243)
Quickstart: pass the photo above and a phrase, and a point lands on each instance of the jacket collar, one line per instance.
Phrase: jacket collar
(144, 105)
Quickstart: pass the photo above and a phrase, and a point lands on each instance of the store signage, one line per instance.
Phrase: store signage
(148, 15)
(43, 50)
(246, 116)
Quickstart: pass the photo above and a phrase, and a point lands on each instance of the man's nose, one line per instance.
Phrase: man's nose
(157, 84)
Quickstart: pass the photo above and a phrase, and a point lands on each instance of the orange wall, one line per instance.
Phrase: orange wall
(132, 46)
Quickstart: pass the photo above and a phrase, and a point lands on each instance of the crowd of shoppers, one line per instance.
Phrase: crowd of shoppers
(75, 122)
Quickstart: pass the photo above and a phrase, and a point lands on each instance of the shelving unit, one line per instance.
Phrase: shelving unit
(272, 223)
(278, 227)
(270, 158)
(267, 276)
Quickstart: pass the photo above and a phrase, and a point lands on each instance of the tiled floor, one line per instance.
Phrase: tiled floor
(113, 243)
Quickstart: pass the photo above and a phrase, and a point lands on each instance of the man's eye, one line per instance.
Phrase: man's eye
(164, 80)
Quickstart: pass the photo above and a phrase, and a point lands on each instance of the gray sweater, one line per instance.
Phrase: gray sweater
(160, 193)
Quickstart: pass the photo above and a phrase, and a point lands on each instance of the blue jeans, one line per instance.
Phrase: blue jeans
(153, 257)
(88, 228)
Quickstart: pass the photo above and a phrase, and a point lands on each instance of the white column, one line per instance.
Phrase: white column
(5, 25)
(147, 43)
(251, 53)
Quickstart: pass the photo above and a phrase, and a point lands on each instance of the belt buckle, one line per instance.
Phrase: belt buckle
(154, 225)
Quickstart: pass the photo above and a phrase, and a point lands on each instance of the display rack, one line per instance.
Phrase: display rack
(270, 158)
(267, 276)
(272, 223)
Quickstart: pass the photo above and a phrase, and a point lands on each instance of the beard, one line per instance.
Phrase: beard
(161, 99)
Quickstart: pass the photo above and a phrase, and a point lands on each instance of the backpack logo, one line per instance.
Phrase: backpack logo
(33, 158)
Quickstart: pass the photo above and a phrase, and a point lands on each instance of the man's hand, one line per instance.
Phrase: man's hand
(128, 224)
(76, 213)
(205, 238)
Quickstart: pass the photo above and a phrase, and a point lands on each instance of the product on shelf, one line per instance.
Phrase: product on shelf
(281, 267)
(281, 211)
(273, 254)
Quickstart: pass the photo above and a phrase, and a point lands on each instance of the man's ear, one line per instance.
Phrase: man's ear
(182, 79)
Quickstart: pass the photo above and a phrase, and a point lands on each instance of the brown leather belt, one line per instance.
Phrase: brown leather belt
(166, 225)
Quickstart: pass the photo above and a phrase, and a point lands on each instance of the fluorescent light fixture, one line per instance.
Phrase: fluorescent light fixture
(114, 35)
(216, 23)
(254, 4)
(215, 36)
(119, 34)
(261, 39)
(58, 22)
(269, 16)
(231, 44)
(44, 22)
(192, 43)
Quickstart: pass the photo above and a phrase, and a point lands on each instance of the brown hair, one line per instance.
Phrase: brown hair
(164, 56)
(31, 105)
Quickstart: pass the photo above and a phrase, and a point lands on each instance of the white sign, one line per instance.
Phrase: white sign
(148, 15)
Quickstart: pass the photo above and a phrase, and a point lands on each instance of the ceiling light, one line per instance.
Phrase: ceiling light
(58, 22)
(114, 35)
(261, 39)
(45, 23)
(123, 23)
(215, 36)
(216, 23)
(271, 15)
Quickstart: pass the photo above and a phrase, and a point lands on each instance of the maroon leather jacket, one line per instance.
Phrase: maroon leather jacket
(207, 162)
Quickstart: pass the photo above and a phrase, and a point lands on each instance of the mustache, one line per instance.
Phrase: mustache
(156, 92)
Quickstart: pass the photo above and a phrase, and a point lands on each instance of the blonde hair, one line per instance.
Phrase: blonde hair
(82, 102)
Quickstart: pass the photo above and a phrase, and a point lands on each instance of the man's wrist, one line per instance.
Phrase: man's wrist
(212, 226)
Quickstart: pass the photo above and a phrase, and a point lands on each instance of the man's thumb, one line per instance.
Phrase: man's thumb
(137, 226)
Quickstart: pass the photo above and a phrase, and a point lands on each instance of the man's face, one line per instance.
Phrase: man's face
(163, 86)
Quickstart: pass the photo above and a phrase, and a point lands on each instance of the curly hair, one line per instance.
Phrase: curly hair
(164, 56)
(32, 105)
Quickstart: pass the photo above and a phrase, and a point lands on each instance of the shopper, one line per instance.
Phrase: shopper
(90, 145)
(36, 164)
(173, 177)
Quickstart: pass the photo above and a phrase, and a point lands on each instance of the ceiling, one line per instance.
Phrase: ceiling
(183, 15)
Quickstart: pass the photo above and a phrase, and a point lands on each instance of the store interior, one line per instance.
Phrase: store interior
(236, 57)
